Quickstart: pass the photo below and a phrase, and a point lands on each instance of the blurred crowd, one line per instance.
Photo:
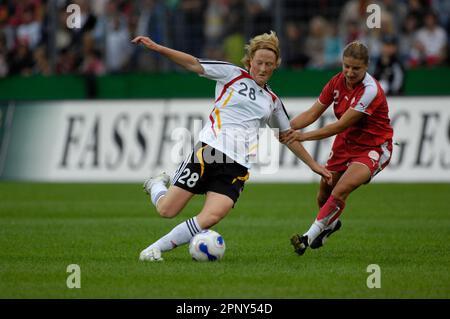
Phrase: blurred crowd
(35, 37)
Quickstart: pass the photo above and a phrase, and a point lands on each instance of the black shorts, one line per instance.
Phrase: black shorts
(208, 169)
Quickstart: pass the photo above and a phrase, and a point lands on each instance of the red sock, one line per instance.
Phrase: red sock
(330, 211)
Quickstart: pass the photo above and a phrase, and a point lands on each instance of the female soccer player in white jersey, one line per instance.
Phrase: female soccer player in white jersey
(363, 144)
(218, 165)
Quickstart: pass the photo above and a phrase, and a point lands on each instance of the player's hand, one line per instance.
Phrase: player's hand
(326, 174)
(146, 41)
(281, 136)
(291, 136)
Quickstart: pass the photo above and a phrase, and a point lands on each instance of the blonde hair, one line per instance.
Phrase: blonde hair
(268, 41)
(357, 50)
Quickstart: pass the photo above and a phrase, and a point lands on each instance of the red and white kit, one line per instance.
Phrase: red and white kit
(369, 141)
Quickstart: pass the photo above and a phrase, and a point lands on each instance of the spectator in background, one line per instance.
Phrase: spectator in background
(118, 48)
(41, 65)
(6, 28)
(315, 42)
(98, 7)
(373, 37)
(303, 10)
(30, 29)
(353, 31)
(67, 61)
(92, 63)
(88, 22)
(294, 56)
(150, 21)
(215, 15)
(17, 10)
(188, 24)
(396, 9)
(104, 22)
(63, 35)
(333, 48)
(20, 60)
(232, 47)
(219, 29)
(259, 17)
(352, 20)
(408, 34)
(234, 40)
(4, 69)
(418, 9)
(442, 8)
(389, 70)
(214, 28)
(430, 43)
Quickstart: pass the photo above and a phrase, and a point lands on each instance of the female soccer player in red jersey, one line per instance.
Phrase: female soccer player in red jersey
(363, 144)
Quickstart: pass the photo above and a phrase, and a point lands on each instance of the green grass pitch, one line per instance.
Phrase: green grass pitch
(403, 228)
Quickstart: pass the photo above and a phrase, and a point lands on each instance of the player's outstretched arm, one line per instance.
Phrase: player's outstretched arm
(350, 117)
(185, 60)
(309, 116)
(298, 149)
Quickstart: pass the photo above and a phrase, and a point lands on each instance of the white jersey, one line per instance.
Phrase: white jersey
(241, 108)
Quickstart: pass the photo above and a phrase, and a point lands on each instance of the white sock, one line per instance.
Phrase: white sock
(158, 190)
(179, 235)
(314, 231)
(331, 226)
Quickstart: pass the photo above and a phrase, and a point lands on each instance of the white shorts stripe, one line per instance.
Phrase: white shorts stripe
(181, 168)
(384, 158)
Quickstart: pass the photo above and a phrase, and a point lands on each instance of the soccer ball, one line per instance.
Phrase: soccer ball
(207, 245)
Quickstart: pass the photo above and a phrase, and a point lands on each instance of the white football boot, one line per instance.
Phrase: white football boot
(151, 254)
(163, 177)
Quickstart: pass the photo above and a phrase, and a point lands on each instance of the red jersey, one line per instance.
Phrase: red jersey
(367, 97)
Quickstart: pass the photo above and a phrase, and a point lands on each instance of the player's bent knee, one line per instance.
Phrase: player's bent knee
(343, 192)
(166, 211)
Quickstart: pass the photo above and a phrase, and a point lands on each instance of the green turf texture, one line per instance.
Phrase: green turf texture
(403, 228)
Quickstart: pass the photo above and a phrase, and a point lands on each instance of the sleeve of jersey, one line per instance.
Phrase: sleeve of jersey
(279, 118)
(218, 70)
(326, 97)
(364, 104)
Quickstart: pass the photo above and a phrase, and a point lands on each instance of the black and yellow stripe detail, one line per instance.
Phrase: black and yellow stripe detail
(199, 155)
(241, 178)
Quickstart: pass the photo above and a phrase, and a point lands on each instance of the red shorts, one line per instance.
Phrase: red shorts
(374, 157)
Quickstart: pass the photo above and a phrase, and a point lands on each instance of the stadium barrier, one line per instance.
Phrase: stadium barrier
(287, 83)
(127, 140)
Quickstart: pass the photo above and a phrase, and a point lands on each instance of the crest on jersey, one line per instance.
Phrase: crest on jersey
(374, 155)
